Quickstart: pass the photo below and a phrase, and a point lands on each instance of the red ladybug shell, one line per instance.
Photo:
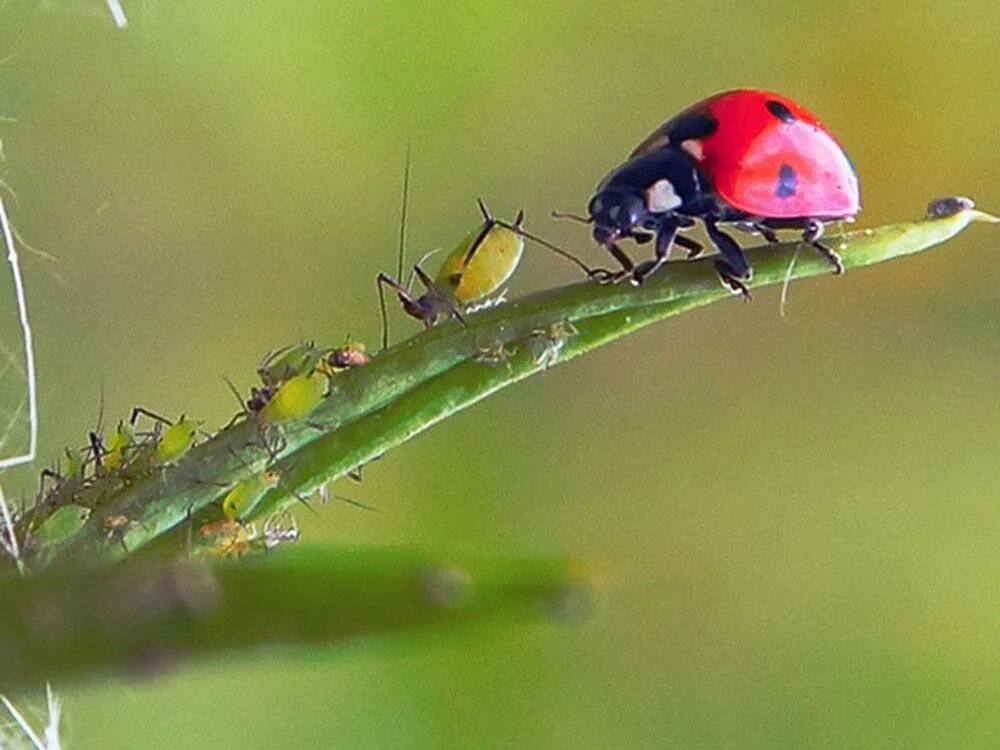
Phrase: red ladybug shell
(764, 155)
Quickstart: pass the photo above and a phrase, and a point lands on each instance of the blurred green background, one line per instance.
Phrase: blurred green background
(797, 516)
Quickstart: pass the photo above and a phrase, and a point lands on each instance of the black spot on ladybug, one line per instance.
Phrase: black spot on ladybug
(692, 126)
(779, 110)
(787, 180)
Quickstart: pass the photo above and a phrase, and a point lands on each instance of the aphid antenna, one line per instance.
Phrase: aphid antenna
(404, 210)
(418, 267)
(400, 254)
(274, 353)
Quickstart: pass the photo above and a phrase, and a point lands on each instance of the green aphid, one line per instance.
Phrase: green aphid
(160, 450)
(279, 366)
(59, 527)
(297, 397)
(62, 485)
(175, 442)
(110, 458)
(240, 501)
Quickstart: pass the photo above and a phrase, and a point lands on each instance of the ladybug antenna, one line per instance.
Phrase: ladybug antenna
(572, 217)
(518, 227)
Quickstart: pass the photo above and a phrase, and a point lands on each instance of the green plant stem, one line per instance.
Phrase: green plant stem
(133, 619)
(424, 379)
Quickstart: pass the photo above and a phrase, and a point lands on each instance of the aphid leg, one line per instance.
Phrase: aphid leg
(733, 267)
(665, 236)
(189, 518)
(381, 281)
(428, 282)
(52, 475)
(158, 421)
(243, 412)
(488, 223)
(142, 411)
(358, 472)
(97, 449)
(813, 231)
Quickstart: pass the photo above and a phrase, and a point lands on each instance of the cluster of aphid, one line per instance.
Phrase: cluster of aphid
(293, 382)
(86, 478)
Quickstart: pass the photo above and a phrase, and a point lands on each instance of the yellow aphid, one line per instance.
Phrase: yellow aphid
(244, 497)
(111, 457)
(483, 261)
(297, 397)
(476, 268)
(176, 441)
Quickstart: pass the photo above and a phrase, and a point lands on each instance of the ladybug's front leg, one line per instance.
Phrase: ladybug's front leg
(666, 233)
(604, 275)
(733, 267)
(813, 231)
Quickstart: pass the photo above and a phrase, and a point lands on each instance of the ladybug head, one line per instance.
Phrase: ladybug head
(642, 189)
(615, 212)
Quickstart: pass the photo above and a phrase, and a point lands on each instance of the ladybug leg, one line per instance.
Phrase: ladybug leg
(733, 267)
(607, 276)
(813, 231)
(693, 247)
(665, 236)
(767, 233)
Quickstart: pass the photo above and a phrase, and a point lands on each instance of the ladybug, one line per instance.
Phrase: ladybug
(748, 157)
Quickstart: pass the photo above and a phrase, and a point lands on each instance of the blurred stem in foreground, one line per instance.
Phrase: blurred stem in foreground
(141, 617)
